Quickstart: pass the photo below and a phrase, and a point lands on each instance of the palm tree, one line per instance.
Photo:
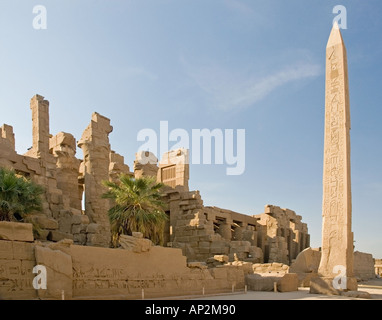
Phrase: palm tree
(18, 196)
(138, 208)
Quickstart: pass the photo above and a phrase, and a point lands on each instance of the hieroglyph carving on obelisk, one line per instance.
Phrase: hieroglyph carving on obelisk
(337, 237)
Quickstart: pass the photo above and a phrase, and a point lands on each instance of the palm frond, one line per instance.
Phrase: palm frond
(18, 195)
(138, 207)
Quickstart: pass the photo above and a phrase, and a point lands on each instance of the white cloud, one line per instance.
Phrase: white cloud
(265, 86)
(227, 90)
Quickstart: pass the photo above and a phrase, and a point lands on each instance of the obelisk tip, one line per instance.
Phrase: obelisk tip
(335, 36)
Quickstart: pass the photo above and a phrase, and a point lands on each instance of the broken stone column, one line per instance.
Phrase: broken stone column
(8, 156)
(63, 147)
(96, 150)
(40, 127)
(145, 164)
(117, 166)
(225, 230)
(46, 166)
(7, 135)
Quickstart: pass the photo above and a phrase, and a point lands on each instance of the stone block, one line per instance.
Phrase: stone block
(217, 250)
(15, 231)
(324, 285)
(363, 266)
(23, 251)
(59, 272)
(76, 212)
(80, 219)
(16, 279)
(219, 273)
(56, 236)
(93, 228)
(204, 250)
(6, 250)
(197, 265)
(137, 245)
(80, 238)
(221, 258)
(78, 228)
(65, 222)
(257, 282)
(55, 198)
(307, 261)
(63, 245)
(204, 244)
(276, 265)
(42, 235)
(288, 283)
(96, 239)
(45, 222)
(194, 239)
(265, 282)
(183, 239)
(193, 244)
(186, 233)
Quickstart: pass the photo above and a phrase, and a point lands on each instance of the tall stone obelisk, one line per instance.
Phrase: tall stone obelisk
(337, 237)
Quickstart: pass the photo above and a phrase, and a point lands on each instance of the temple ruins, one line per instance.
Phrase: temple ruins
(206, 248)
(277, 235)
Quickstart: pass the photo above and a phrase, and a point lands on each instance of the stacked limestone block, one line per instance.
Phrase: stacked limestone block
(51, 162)
(286, 235)
(117, 166)
(40, 163)
(278, 250)
(44, 163)
(79, 229)
(17, 260)
(63, 147)
(96, 149)
(195, 234)
(364, 266)
(244, 251)
(82, 272)
(277, 268)
(8, 154)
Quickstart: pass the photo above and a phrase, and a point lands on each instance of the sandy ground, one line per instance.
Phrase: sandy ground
(374, 287)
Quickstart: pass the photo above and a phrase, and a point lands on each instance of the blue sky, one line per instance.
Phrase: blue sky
(228, 64)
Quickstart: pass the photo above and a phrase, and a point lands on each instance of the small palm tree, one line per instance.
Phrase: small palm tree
(138, 208)
(19, 196)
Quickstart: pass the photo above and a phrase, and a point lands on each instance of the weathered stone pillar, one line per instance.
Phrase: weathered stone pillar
(117, 166)
(63, 147)
(96, 150)
(47, 163)
(6, 133)
(40, 123)
(225, 231)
